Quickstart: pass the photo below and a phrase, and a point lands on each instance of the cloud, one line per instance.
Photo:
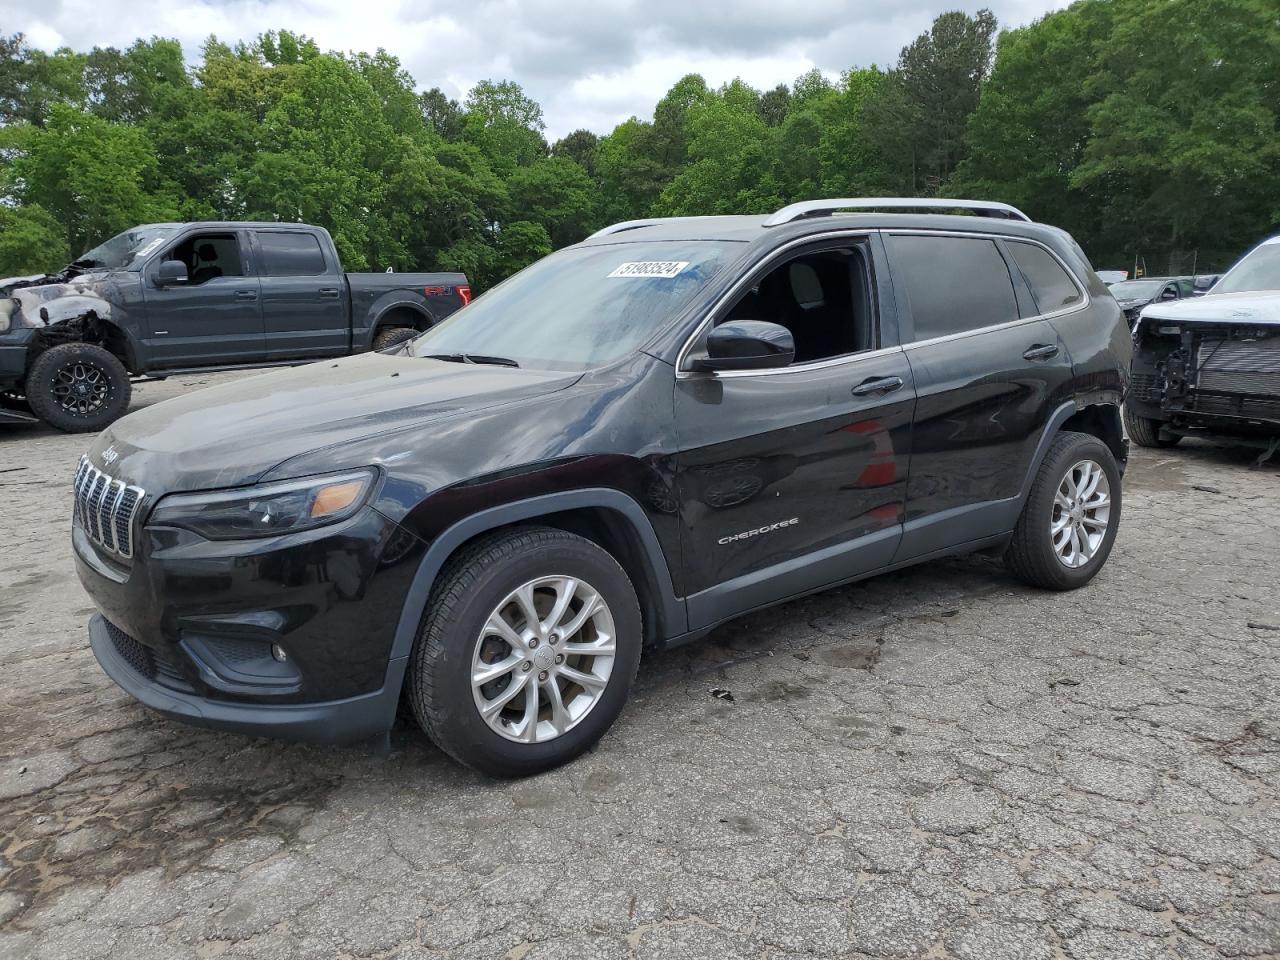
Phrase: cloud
(590, 63)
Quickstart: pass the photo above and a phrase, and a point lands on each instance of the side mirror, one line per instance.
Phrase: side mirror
(1169, 295)
(172, 273)
(747, 345)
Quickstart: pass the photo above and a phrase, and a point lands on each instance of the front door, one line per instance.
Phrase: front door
(990, 370)
(794, 478)
(214, 318)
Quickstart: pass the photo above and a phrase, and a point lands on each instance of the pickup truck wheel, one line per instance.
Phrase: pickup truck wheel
(1145, 432)
(389, 337)
(530, 643)
(1070, 519)
(78, 388)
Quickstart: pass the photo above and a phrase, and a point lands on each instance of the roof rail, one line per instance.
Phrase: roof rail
(814, 208)
(636, 224)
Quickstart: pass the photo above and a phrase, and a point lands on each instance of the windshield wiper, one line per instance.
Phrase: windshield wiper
(473, 358)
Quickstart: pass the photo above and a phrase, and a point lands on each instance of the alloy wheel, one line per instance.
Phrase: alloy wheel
(80, 388)
(543, 659)
(1081, 514)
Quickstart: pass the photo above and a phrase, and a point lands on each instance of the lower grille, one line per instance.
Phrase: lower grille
(163, 668)
(1145, 387)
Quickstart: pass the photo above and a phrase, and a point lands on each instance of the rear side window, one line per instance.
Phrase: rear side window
(953, 284)
(290, 254)
(1050, 284)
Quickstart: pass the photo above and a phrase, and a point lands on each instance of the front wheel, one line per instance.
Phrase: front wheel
(1145, 432)
(530, 644)
(1069, 522)
(78, 387)
(392, 336)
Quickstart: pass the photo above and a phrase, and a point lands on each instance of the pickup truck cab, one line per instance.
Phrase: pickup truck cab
(167, 297)
(635, 439)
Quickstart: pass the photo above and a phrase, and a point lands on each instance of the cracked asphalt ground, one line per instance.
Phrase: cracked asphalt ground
(937, 763)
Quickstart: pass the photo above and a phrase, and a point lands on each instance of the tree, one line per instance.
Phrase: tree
(505, 124)
(580, 147)
(557, 194)
(31, 241)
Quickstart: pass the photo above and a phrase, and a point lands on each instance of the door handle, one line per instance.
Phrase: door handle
(877, 385)
(246, 295)
(329, 292)
(1040, 351)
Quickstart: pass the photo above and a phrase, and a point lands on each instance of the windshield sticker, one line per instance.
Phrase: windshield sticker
(665, 269)
(149, 247)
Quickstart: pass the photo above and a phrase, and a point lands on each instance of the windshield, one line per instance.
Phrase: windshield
(1259, 270)
(1136, 289)
(581, 307)
(125, 249)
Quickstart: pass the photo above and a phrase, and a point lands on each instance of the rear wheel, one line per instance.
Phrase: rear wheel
(1145, 432)
(78, 387)
(1069, 522)
(391, 336)
(530, 644)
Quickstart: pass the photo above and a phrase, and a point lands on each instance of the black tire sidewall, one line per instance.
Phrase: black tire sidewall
(392, 337)
(38, 387)
(460, 729)
(1040, 507)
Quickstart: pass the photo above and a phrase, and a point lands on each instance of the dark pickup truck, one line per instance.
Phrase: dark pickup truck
(164, 298)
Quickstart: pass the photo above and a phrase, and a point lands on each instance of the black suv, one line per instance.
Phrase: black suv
(668, 425)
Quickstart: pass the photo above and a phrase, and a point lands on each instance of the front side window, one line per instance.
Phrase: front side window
(290, 254)
(1051, 285)
(1259, 270)
(953, 284)
(822, 297)
(582, 307)
(209, 256)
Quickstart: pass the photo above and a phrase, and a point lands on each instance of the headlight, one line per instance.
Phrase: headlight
(272, 508)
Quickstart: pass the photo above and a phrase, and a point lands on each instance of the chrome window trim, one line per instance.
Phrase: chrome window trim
(774, 254)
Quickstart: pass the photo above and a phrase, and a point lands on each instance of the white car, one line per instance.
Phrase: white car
(1211, 364)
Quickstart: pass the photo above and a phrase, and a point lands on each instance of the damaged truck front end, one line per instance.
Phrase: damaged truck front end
(61, 350)
(1195, 375)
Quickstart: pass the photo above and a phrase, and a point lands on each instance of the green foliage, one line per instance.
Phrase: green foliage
(31, 241)
(1143, 126)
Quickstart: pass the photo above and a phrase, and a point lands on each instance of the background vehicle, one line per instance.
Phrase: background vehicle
(1204, 283)
(1212, 365)
(1133, 295)
(1110, 277)
(635, 439)
(166, 297)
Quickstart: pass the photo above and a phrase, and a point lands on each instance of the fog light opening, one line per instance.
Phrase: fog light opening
(278, 654)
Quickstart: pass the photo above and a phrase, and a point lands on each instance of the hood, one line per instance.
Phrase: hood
(8, 282)
(1257, 306)
(231, 434)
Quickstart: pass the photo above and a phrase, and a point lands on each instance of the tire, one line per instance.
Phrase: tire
(1145, 432)
(78, 388)
(391, 336)
(476, 587)
(1032, 555)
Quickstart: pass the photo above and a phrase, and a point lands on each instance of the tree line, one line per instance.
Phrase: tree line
(1148, 128)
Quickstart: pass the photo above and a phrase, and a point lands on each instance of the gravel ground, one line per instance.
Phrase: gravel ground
(938, 763)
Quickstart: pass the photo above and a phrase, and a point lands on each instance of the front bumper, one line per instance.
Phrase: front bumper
(333, 721)
(14, 346)
(190, 627)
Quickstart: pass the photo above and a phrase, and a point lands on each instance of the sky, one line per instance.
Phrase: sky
(589, 63)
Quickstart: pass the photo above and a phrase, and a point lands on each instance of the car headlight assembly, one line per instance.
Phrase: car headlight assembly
(269, 509)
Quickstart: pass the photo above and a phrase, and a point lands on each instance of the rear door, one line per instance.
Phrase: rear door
(214, 318)
(305, 308)
(794, 478)
(990, 370)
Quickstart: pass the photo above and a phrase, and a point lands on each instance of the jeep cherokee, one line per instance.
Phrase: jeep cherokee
(670, 424)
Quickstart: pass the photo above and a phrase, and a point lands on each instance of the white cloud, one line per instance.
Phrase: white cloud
(590, 63)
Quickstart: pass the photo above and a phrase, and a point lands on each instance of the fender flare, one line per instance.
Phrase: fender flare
(438, 553)
(1060, 416)
(423, 313)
